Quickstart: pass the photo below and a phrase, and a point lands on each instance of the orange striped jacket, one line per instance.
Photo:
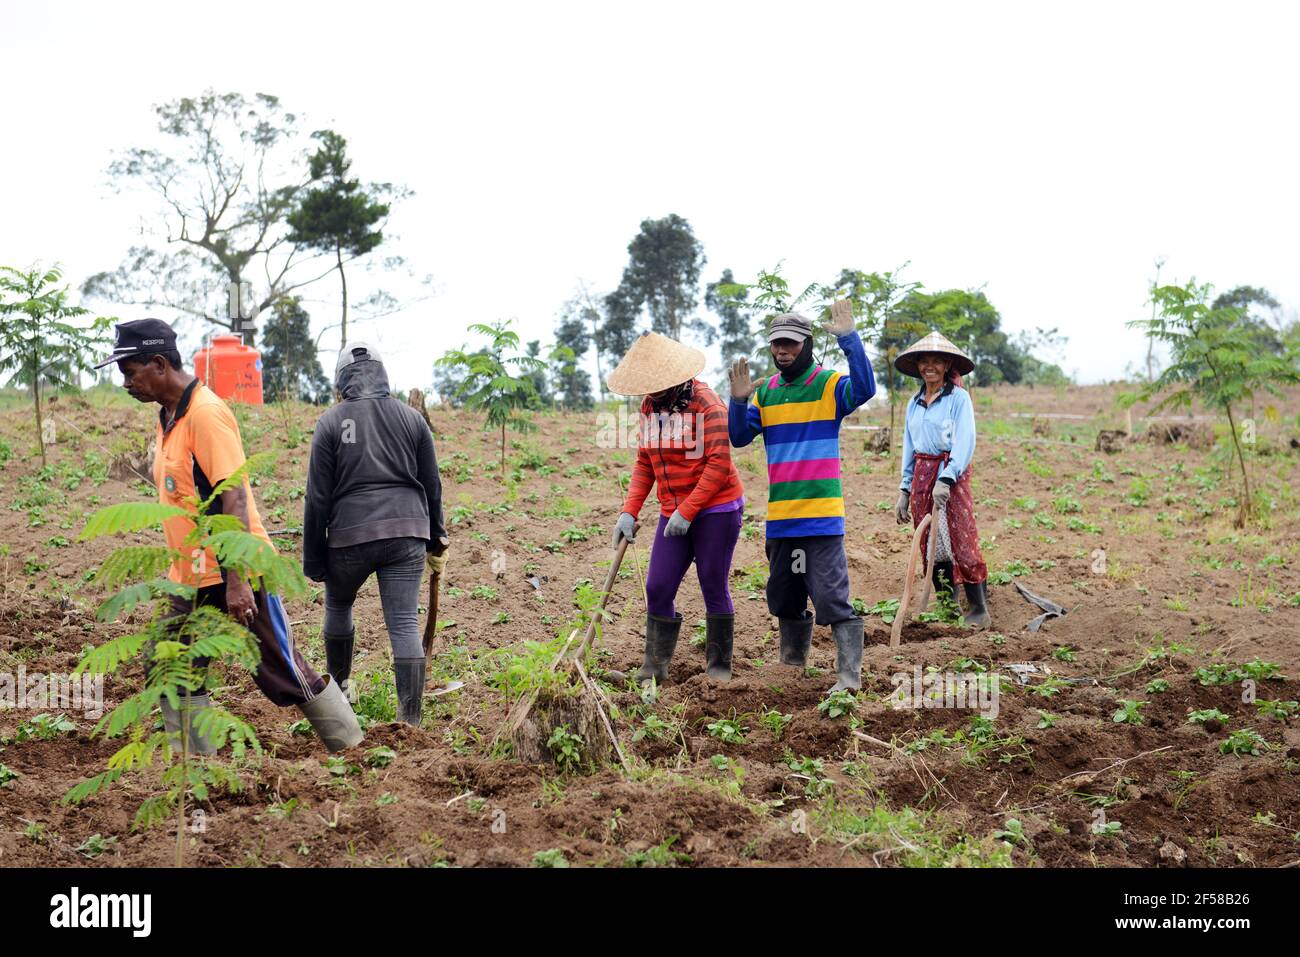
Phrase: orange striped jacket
(687, 455)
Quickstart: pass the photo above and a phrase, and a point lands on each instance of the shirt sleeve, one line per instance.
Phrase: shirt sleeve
(218, 447)
(643, 479)
(963, 437)
(860, 384)
(909, 460)
(717, 462)
(744, 420)
(318, 501)
(431, 479)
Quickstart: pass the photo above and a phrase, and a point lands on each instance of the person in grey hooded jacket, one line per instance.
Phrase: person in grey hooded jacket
(373, 505)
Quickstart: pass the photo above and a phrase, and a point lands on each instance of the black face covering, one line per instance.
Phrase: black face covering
(675, 399)
(801, 364)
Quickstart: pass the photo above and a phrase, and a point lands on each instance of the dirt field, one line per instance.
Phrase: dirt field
(1164, 595)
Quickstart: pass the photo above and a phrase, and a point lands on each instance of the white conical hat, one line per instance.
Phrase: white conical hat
(655, 363)
(934, 342)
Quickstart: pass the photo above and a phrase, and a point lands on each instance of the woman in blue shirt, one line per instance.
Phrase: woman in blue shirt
(938, 444)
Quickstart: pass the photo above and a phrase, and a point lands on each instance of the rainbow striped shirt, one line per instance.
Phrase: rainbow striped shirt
(800, 425)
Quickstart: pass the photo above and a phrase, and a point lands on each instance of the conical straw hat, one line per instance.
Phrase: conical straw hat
(655, 363)
(934, 342)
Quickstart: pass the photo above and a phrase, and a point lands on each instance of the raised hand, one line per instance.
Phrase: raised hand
(742, 386)
(841, 320)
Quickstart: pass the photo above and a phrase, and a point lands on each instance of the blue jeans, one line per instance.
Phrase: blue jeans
(399, 565)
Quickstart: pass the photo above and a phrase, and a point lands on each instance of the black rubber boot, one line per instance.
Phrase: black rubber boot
(720, 632)
(660, 643)
(848, 654)
(408, 677)
(977, 613)
(796, 639)
(943, 582)
(338, 662)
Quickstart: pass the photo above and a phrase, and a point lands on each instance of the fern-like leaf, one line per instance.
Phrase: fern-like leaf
(84, 789)
(108, 657)
(251, 556)
(128, 517)
(154, 810)
(237, 477)
(135, 563)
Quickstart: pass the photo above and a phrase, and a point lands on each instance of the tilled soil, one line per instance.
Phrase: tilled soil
(1139, 545)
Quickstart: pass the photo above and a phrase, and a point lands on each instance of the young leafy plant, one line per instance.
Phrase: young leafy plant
(176, 641)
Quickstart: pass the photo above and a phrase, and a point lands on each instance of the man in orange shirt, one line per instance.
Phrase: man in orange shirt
(199, 447)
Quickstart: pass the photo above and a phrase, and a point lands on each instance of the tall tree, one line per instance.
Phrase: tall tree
(618, 331)
(735, 331)
(290, 366)
(38, 344)
(225, 182)
(337, 214)
(1260, 312)
(1214, 358)
(572, 383)
(541, 385)
(663, 276)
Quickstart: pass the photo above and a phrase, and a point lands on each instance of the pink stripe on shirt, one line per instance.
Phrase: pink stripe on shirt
(803, 470)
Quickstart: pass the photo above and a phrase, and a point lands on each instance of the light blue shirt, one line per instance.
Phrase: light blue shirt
(947, 425)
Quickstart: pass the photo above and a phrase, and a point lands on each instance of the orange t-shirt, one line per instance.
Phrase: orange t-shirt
(200, 451)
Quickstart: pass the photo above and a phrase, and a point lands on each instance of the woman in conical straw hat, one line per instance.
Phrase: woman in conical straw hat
(938, 444)
(684, 454)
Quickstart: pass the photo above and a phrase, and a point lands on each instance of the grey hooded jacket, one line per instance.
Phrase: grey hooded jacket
(373, 472)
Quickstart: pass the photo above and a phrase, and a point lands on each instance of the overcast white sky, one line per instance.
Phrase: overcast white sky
(1048, 152)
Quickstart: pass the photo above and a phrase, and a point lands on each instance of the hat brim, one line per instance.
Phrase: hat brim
(650, 381)
(906, 362)
(790, 334)
(118, 357)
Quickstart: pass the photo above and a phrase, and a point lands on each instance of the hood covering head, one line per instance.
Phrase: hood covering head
(359, 373)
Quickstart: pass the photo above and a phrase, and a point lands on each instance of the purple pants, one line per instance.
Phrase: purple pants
(709, 542)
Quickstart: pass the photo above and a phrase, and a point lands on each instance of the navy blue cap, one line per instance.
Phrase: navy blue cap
(140, 337)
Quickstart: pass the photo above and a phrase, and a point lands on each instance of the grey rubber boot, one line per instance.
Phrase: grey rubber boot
(719, 635)
(338, 662)
(332, 719)
(943, 581)
(660, 642)
(190, 707)
(848, 654)
(977, 612)
(408, 676)
(796, 639)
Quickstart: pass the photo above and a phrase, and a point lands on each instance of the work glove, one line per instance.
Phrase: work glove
(841, 321)
(625, 528)
(903, 510)
(436, 560)
(742, 386)
(942, 490)
(676, 526)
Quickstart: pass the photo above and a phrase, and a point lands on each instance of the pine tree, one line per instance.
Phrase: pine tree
(290, 366)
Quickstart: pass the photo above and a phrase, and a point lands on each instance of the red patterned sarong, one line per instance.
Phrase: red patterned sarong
(968, 561)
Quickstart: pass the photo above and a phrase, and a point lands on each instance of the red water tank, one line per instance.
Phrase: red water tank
(231, 369)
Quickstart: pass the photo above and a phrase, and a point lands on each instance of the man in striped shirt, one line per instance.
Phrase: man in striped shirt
(798, 412)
